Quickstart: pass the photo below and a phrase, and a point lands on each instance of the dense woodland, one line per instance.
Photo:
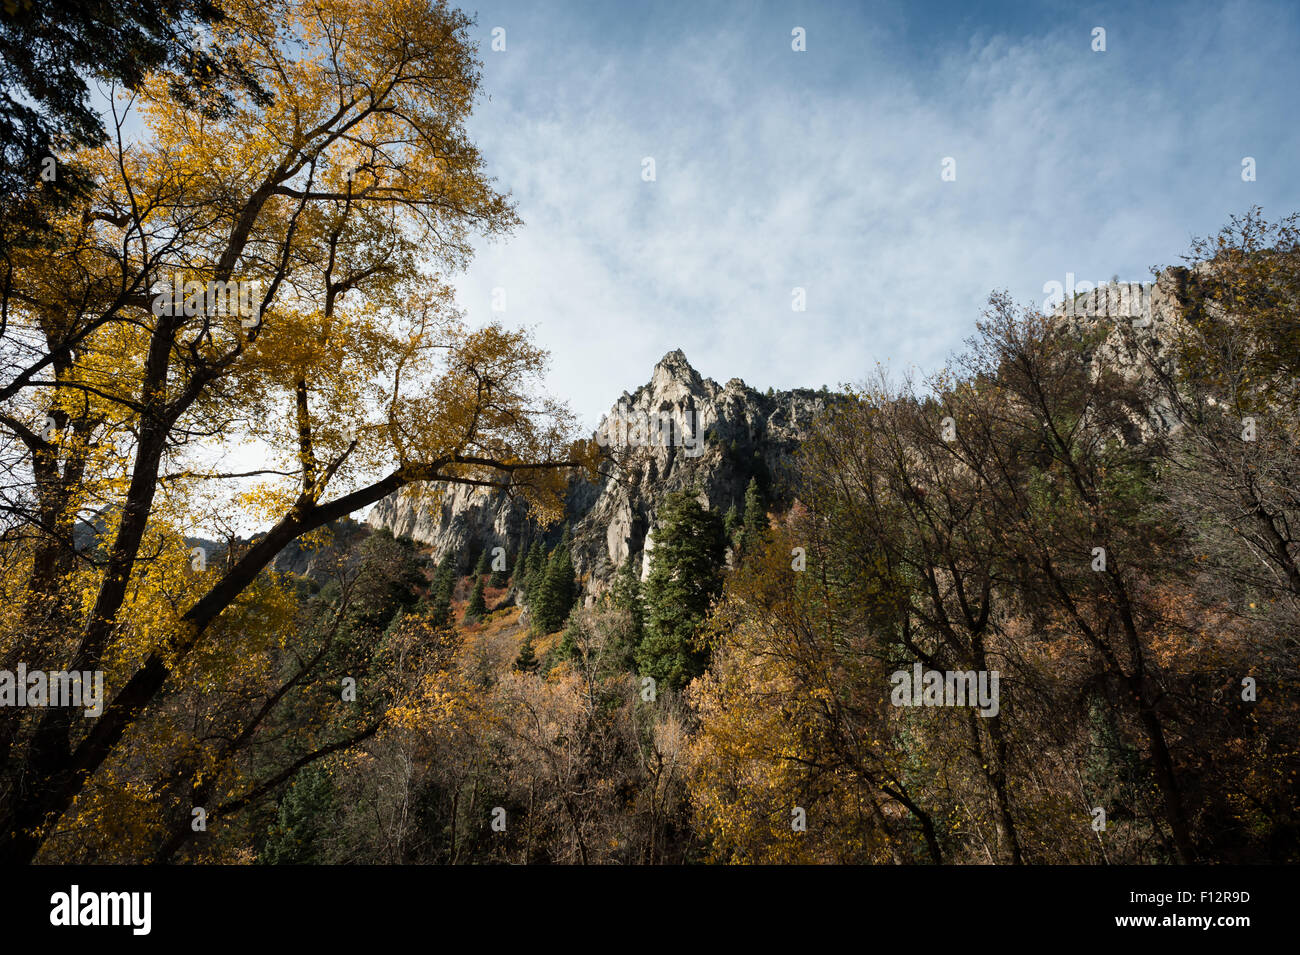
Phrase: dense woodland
(1120, 540)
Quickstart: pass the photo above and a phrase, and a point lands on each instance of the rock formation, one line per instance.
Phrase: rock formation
(683, 431)
(679, 431)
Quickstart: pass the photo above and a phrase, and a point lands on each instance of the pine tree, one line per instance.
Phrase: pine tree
(527, 661)
(569, 648)
(302, 825)
(755, 517)
(484, 564)
(685, 575)
(731, 525)
(625, 590)
(625, 594)
(556, 593)
(535, 570)
(440, 591)
(477, 608)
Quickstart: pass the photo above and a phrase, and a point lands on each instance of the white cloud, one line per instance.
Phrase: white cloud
(770, 178)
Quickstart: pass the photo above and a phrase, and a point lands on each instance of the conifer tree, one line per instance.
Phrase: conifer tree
(685, 575)
(440, 591)
(755, 516)
(556, 592)
(477, 608)
(527, 661)
(625, 594)
(302, 826)
(535, 570)
(731, 526)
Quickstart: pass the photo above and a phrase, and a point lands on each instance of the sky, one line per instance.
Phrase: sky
(821, 169)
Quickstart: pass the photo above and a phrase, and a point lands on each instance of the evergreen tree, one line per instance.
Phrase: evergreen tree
(625, 589)
(440, 591)
(731, 525)
(484, 564)
(685, 575)
(625, 594)
(536, 569)
(755, 516)
(477, 608)
(527, 661)
(445, 575)
(569, 646)
(556, 593)
(295, 838)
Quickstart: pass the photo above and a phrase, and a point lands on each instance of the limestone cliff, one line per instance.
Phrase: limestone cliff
(678, 431)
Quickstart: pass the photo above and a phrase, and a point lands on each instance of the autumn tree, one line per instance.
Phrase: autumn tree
(1232, 385)
(337, 205)
(794, 716)
(1014, 515)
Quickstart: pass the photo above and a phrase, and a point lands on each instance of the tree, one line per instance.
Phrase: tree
(484, 565)
(535, 571)
(685, 575)
(1035, 539)
(47, 53)
(476, 610)
(793, 711)
(302, 824)
(1234, 387)
(731, 525)
(340, 352)
(755, 523)
(556, 593)
(392, 589)
(624, 595)
(441, 588)
(526, 662)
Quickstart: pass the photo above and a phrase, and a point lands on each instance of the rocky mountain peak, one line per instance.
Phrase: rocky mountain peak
(679, 431)
(674, 378)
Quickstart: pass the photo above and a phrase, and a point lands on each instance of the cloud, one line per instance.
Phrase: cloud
(778, 169)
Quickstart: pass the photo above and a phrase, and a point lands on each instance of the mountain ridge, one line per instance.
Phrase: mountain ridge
(679, 430)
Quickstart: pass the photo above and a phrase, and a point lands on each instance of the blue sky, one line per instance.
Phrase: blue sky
(821, 169)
